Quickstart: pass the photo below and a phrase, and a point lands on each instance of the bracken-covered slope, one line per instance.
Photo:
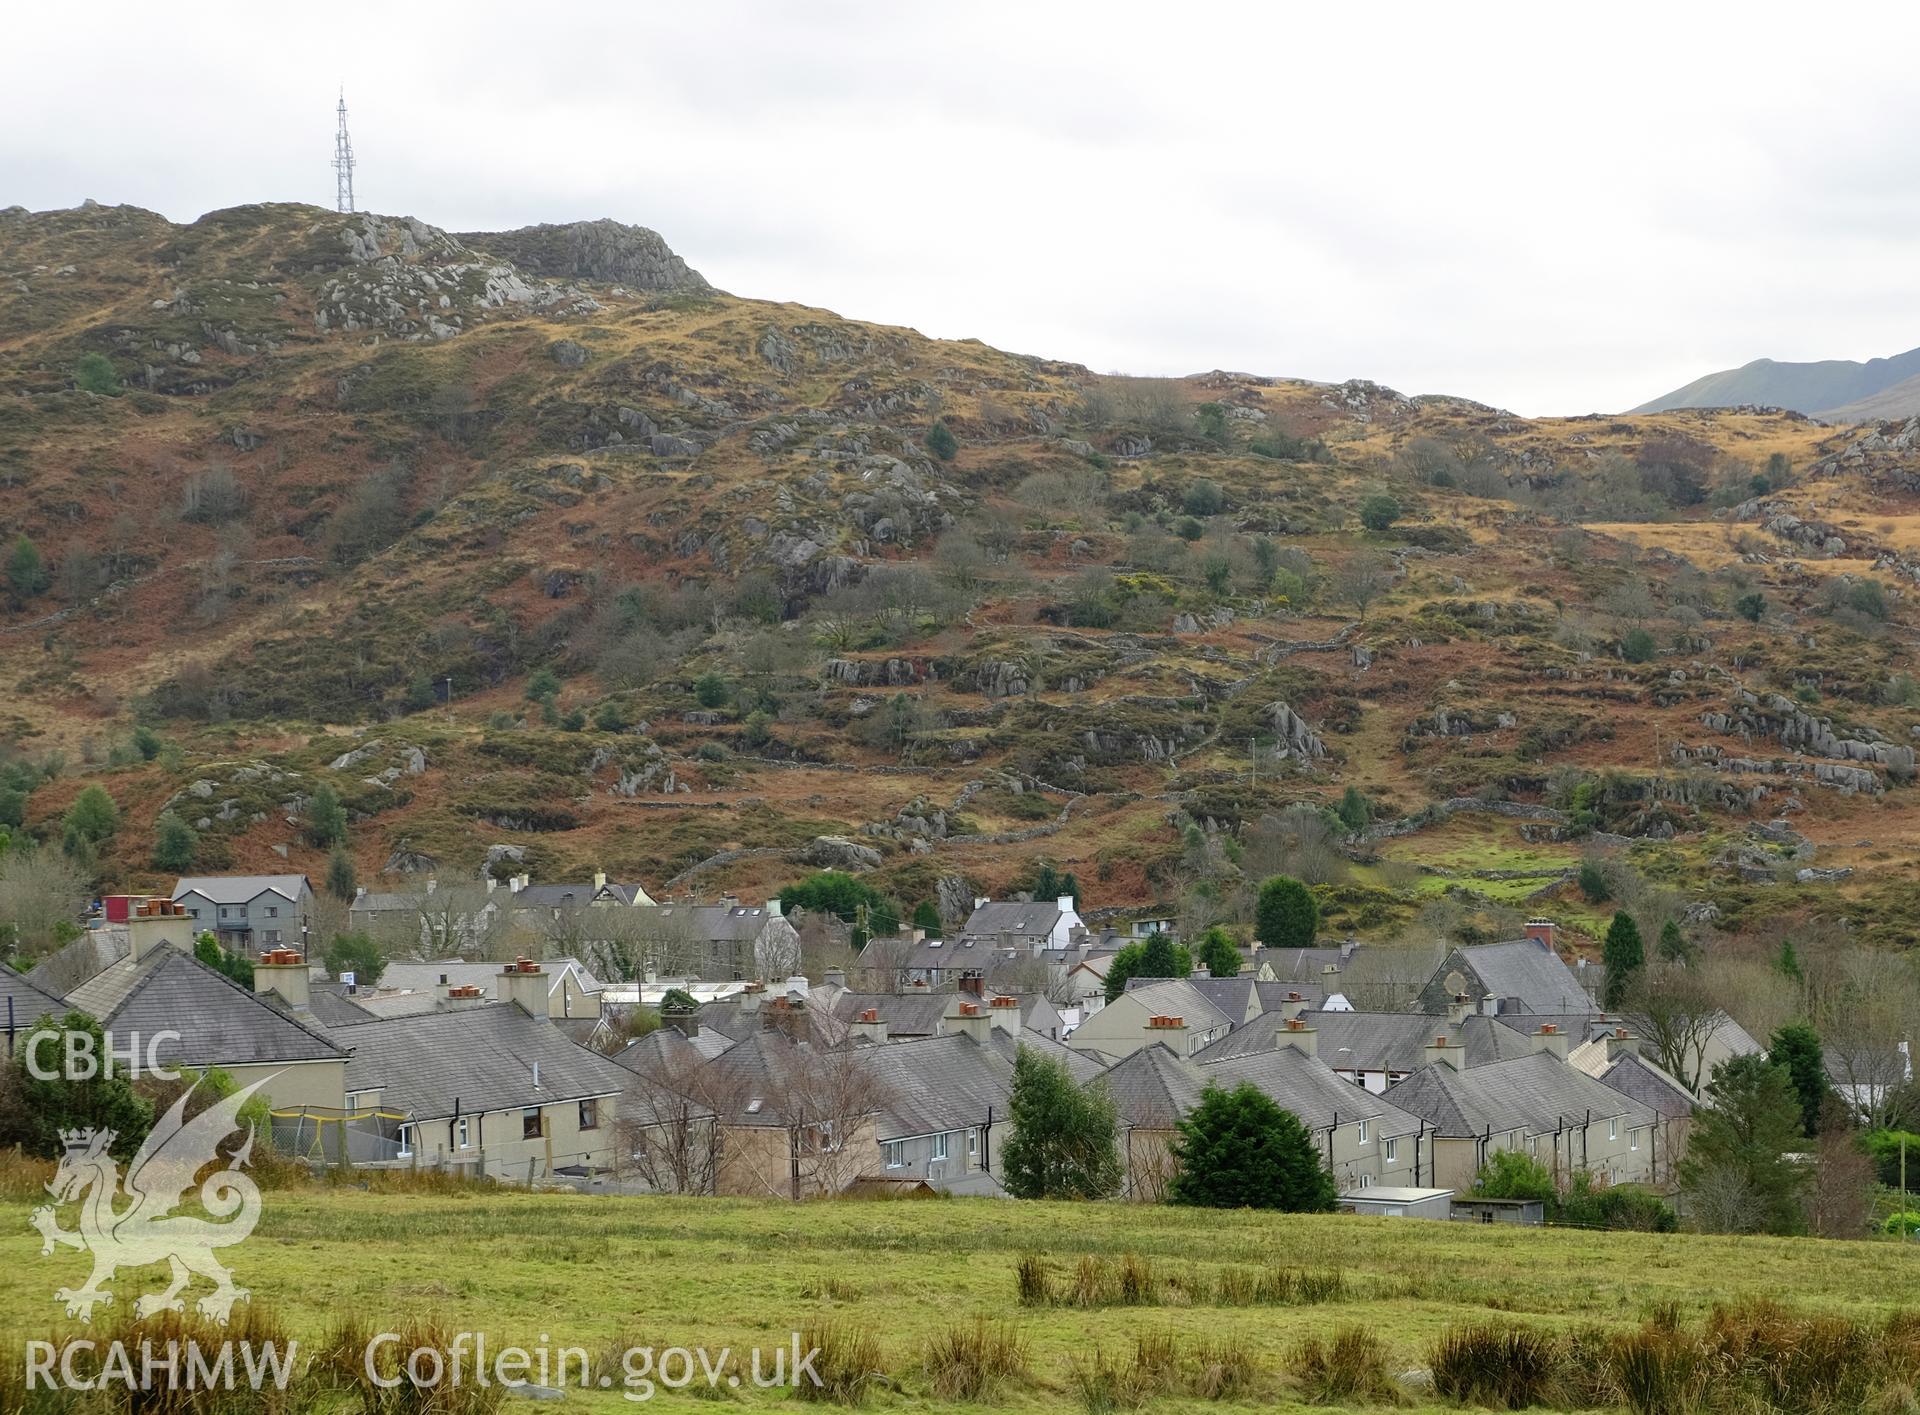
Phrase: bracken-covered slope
(535, 540)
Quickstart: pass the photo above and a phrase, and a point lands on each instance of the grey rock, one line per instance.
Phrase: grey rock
(566, 353)
(836, 852)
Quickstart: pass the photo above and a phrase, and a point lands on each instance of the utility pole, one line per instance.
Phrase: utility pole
(342, 161)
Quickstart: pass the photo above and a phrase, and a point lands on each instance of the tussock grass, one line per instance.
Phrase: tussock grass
(1131, 1280)
(1350, 1368)
(971, 1360)
(1502, 1368)
(849, 1364)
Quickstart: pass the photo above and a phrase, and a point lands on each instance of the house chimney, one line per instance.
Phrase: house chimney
(1291, 1009)
(1551, 1038)
(284, 971)
(868, 1027)
(1005, 1012)
(1299, 1035)
(432, 884)
(599, 880)
(519, 882)
(1459, 1009)
(492, 884)
(973, 984)
(1442, 1052)
(525, 982)
(834, 978)
(684, 1020)
(1201, 971)
(981, 903)
(1541, 931)
(359, 891)
(1064, 903)
(466, 995)
(918, 985)
(1330, 971)
(1489, 1006)
(1622, 1043)
(775, 909)
(970, 1019)
(750, 997)
(158, 923)
(1171, 1030)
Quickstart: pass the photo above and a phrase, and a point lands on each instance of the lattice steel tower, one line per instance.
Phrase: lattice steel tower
(343, 161)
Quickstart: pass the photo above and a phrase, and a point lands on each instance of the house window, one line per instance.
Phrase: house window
(273, 935)
(530, 1128)
(590, 1115)
(405, 1137)
(896, 1153)
(460, 1133)
(1360, 1132)
(1633, 1140)
(1613, 1129)
(973, 1144)
(940, 1146)
(1393, 1150)
(1366, 1181)
(273, 911)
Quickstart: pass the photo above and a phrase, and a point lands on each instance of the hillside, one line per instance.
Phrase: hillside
(297, 478)
(612, 1274)
(1835, 390)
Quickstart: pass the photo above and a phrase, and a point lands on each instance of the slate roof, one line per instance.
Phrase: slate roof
(1533, 976)
(331, 1007)
(1153, 1088)
(21, 1003)
(482, 1057)
(907, 1014)
(65, 969)
(1233, 998)
(721, 923)
(1536, 1093)
(935, 1084)
(1176, 997)
(239, 889)
(219, 1022)
(759, 1072)
(1273, 996)
(1083, 1066)
(1309, 1088)
(963, 953)
(1640, 1079)
(381, 1006)
(412, 976)
(1026, 920)
(1375, 1041)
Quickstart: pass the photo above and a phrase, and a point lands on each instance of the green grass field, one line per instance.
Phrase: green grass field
(600, 1273)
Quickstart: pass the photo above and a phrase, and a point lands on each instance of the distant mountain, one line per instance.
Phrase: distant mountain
(1842, 390)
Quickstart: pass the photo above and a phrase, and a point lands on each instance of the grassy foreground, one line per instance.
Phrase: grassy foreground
(602, 1272)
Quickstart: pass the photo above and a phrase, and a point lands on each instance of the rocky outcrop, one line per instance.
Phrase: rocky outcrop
(1458, 722)
(1785, 721)
(1293, 737)
(836, 852)
(609, 252)
(875, 672)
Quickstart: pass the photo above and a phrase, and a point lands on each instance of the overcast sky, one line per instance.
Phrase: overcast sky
(1553, 208)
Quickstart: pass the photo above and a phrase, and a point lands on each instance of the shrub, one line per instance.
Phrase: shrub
(1751, 607)
(1503, 1368)
(1637, 646)
(94, 373)
(175, 844)
(1513, 1174)
(1286, 915)
(710, 691)
(326, 818)
(1378, 513)
(941, 442)
(1203, 498)
(1238, 1149)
